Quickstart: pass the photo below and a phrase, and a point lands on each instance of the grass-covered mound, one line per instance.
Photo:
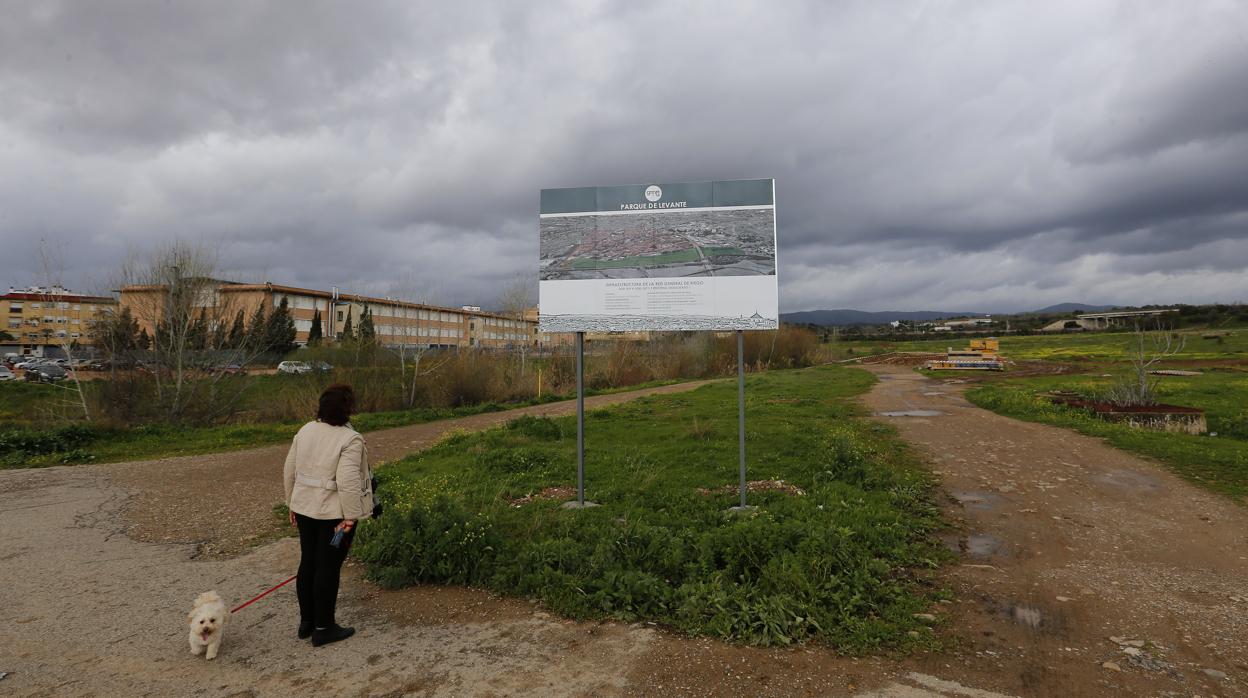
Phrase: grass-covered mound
(840, 563)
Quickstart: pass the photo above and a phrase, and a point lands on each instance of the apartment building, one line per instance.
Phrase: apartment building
(396, 322)
(42, 320)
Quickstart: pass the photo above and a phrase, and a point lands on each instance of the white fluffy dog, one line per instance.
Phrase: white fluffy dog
(207, 619)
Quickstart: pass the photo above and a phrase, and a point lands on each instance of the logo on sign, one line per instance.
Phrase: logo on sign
(653, 193)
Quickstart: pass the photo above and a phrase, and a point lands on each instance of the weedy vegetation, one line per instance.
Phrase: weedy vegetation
(846, 564)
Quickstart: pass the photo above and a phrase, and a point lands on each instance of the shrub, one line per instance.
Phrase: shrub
(40, 442)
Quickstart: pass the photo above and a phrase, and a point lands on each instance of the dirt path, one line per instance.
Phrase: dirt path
(1068, 542)
(87, 610)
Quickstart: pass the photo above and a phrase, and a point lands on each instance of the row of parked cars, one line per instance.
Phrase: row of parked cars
(300, 367)
(36, 370)
(43, 370)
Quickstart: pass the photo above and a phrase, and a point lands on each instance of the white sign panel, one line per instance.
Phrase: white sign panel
(675, 256)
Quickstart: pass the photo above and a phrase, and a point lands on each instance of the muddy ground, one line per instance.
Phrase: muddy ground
(1063, 543)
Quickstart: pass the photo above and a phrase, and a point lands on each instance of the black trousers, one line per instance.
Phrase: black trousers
(320, 565)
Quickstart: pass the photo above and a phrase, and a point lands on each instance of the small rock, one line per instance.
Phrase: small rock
(1064, 599)
(1214, 673)
(1112, 666)
(1132, 643)
(926, 617)
(1132, 651)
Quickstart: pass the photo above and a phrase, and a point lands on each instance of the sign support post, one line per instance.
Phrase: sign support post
(580, 502)
(742, 507)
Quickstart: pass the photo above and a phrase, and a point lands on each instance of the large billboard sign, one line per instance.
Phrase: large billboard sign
(675, 256)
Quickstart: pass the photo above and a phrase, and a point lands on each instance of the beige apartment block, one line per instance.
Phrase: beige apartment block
(396, 322)
(43, 320)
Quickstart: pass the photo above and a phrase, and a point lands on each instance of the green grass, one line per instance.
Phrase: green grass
(843, 564)
(1218, 463)
(32, 443)
(23, 403)
(1102, 346)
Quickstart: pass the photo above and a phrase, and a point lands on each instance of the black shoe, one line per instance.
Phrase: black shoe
(305, 630)
(334, 633)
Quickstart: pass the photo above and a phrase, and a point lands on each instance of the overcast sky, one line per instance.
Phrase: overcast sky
(984, 155)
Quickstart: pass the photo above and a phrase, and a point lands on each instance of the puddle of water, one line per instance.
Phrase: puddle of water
(980, 501)
(1027, 616)
(911, 413)
(984, 545)
(1129, 479)
(978, 545)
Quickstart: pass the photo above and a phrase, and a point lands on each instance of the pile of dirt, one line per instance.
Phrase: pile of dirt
(562, 493)
(754, 486)
(901, 358)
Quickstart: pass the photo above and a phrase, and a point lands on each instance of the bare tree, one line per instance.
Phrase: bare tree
(413, 331)
(516, 299)
(54, 297)
(1148, 347)
(174, 292)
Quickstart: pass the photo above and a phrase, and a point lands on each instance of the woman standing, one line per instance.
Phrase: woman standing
(328, 489)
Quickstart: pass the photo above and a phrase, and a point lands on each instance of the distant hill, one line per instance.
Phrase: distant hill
(1062, 308)
(846, 317)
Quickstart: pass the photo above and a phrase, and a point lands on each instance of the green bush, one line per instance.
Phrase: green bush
(46, 441)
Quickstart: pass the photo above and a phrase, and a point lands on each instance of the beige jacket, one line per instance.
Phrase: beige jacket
(327, 474)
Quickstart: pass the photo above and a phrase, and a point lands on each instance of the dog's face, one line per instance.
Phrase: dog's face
(207, 617)
(205, 622)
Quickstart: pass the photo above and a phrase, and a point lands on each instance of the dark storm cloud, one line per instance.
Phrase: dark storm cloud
(957, 155)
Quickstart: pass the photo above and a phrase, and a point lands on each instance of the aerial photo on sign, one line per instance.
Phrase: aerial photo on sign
(684, 256)
(659, 244)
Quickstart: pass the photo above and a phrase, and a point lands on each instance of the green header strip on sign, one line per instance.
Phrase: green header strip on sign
(672, 196)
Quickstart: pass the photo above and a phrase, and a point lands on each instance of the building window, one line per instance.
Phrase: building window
(15, 307)
(339, 316)
(35, 306)
(63, 305)
(77, 307)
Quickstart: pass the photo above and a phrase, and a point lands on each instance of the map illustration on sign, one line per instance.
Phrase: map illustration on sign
(685, 256)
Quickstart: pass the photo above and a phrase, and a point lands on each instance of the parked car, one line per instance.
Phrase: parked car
(46, 373)
(29, 364)
(322, 366)
(294, 367)
(230, 370)
(6, 374)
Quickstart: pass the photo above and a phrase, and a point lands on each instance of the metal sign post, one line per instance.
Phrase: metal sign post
(580, 502)
(742, 507)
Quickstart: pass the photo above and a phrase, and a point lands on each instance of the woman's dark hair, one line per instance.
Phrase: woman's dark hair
(337, 403)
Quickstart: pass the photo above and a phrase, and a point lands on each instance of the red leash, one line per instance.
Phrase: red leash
(270, 591)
